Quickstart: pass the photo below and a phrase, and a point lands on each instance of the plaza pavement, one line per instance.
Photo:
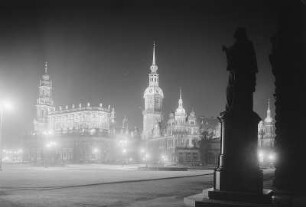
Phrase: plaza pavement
(98, 185)
(27, 176)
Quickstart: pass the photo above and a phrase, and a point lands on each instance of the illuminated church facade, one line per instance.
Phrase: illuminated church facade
(65, 120)
(73, 134)
(174, 140)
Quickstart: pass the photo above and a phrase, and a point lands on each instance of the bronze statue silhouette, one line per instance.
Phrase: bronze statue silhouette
(242, 66)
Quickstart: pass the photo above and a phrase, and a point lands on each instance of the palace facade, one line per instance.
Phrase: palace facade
(175, 140)
(266, 137)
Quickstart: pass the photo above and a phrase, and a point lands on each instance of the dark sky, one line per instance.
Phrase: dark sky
(104, 51)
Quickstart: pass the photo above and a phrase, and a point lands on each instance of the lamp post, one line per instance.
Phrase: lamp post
(47, 145)
(50, 146)
(124, 156)
(147, 156)
(5, 105)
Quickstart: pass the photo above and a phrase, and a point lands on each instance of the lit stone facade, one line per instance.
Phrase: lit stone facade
(70, 134)
(87, 118)
(182, 123)
(266, 130)
(153, 98)
(44, 104)
(179, 140)
(92, 119)
(174, 140)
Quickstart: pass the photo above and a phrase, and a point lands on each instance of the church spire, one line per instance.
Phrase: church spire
(180, 113)
(180, 93)
(180, 109)
(269, 117)
(46, 67)
(153, 66)
(181, 100)
(153, 59)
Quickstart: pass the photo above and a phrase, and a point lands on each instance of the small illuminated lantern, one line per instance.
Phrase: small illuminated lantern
(95, 150)
(272, 157)
(261, 156)
(6, 105)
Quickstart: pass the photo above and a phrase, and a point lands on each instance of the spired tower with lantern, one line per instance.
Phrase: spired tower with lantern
(153, 99)
(44, 104)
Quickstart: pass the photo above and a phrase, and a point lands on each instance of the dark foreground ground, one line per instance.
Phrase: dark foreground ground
(92, 186)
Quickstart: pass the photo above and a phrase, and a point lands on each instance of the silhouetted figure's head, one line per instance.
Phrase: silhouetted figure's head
(240, 34)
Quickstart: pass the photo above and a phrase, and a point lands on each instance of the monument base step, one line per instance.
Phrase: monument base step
(202, 199)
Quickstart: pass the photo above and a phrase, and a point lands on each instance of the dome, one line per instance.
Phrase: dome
(180, 110)
(192, 114)
(46, 77)
(268, 119)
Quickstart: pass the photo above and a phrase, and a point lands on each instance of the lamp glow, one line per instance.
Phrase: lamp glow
(272, 157)
(95, 150)
(261, 156)
(7, 105)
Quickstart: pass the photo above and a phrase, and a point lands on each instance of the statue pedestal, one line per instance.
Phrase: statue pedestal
(238, 176)
(201, 200)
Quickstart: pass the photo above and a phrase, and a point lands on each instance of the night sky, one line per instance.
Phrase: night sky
(104, 51)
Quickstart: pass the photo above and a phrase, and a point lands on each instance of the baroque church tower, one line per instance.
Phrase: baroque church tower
(180, 113)
(266, 130)
(44, 104)
(269, 123)
(153, 99)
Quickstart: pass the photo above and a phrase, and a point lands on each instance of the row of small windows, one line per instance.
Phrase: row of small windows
(171, 143)
(188, 156)
(80, 117)
(80, 124)
(174, 122)
(153, 78)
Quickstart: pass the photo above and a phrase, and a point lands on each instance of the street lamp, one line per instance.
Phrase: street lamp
(147, 157)
(95, 153)
(50, 146)
(261, 155)
(47, 144)
(4, 105)
(164, 159)
(95, 150)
